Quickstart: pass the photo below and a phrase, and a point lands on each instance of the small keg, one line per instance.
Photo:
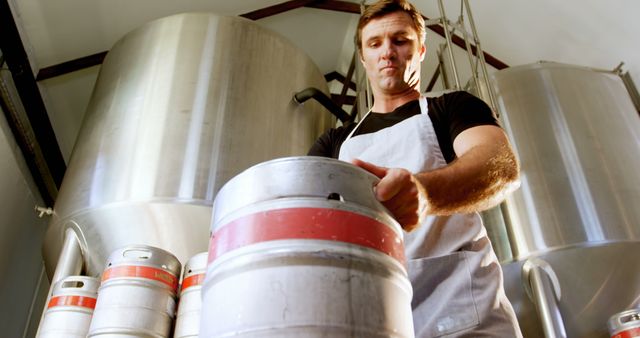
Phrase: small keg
(625, 324)
(69, 311)
(300, 247)
(137, 295)
(188, 318)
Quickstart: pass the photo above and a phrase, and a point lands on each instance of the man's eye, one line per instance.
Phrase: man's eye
(400, 41)
(374, 44)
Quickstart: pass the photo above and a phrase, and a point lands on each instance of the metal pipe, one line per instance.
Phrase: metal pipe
(70, 261)
(543, 288)
(447, 36)
(433, 80)
(474, 70)
(508, 225)
(632, 89)
(69, 264)
(480, 54)
(443, 68)
(324, 100)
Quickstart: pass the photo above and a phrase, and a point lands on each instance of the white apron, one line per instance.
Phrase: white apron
(455, 275)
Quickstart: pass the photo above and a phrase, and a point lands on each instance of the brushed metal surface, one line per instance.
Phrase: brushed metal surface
(190, 304)
(300, 284)
(132, 304)
(68, 320)
(596, 282)
(181, 105)
(577, 135)
(299, 177)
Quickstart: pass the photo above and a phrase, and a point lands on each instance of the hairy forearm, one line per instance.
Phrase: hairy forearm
(479, 179)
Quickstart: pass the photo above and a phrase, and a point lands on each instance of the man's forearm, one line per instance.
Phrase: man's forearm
(476, 181)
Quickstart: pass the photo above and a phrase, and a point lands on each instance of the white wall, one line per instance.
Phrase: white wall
(21, 237)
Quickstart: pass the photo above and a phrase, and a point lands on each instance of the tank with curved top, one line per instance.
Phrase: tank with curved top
(577, 135)
(181, 105)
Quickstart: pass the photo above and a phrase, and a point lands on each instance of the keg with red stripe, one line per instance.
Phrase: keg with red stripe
(625, 324)
(69, 311)
(188, 318)
(300, 247)
(137, 295)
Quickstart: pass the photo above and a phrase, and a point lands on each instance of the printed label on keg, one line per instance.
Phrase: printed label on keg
(80, 301)
(141, 272)
(194, 280)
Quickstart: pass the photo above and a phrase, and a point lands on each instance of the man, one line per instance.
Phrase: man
(439, 161)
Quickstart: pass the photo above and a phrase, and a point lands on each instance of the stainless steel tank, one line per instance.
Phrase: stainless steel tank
(577, 135)
(180, 105)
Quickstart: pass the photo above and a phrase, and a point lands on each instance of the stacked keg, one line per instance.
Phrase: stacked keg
(137, 296)
(69, 311)
(188, 318)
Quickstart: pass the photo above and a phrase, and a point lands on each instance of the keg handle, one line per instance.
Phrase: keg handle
(72, 284)
(137, 253)
(628, 318)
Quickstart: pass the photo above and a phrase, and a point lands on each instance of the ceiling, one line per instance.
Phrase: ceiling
(591, 33)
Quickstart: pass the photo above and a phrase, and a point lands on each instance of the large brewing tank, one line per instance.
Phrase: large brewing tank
(181, 105)
(577, 135)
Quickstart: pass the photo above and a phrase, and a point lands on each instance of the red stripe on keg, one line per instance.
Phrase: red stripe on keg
(631, 333)
(194, 280)
(137, 271)
(306, 223)
(81, 301)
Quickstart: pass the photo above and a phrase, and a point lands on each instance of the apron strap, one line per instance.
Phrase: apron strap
(423, 110)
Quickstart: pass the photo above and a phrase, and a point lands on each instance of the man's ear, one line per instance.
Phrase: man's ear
(423, 51)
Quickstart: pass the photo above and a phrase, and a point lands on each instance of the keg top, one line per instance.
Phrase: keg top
(624, 320)
(303, 176)
(145, 255)
(76, 284)
(196, 264)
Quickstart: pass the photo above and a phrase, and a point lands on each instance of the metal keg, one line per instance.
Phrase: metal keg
(300, 247)
(137, 296)
(625, 324)
(69, 311)
(188, 318)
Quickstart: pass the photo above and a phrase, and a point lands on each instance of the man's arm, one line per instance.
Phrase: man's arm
(485, 171)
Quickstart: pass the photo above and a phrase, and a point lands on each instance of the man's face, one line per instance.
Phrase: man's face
(391, 53)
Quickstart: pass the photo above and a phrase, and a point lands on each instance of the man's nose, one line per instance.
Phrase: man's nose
(388, 50)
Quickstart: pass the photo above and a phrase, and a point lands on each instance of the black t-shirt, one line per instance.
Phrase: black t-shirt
(450, 115)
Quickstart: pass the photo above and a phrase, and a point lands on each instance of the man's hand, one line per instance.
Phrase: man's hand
(400, 192)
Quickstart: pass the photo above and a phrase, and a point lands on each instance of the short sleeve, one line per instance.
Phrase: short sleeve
(328, 144)
(454, 113)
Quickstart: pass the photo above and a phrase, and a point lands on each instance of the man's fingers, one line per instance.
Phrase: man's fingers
(392, 184)
(372, 168)
(397, 191)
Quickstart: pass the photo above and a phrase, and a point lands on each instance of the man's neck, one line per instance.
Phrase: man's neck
(384, 103)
